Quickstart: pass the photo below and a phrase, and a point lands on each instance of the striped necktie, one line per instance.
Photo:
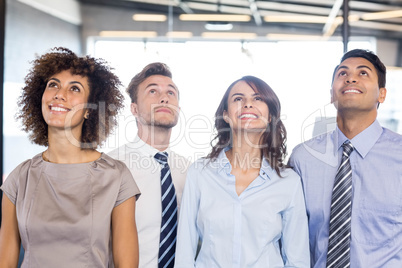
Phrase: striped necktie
(341, 209)
(167, 243)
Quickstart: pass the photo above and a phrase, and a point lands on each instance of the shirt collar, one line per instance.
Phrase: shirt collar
(364, 141)
(144, 148)
(225, 166)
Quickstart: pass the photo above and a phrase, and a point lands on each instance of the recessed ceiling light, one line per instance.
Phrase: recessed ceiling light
(128, 34)
(214, 17)
(229, 35)
(178, 34)
(382, 15)
(149, 17)
(218, 26)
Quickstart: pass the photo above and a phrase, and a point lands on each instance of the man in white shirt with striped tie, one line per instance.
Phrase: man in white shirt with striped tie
(155, 105)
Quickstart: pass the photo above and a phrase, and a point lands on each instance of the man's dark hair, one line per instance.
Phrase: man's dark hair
(371, 57)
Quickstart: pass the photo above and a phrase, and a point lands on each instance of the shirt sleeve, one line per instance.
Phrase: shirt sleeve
(295, 239)
(293, 163)
(11, 184)
(128, 187)
(187, 236)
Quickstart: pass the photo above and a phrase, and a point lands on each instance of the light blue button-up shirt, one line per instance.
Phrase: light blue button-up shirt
(243, 230)
(376, 224)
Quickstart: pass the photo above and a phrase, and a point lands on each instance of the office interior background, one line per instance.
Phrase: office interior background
(293, 45)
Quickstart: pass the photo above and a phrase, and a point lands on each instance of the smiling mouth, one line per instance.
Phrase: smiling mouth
(248, 116)
(58, 109)
(354, 91)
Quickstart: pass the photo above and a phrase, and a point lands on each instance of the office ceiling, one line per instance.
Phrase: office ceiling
(381, 18)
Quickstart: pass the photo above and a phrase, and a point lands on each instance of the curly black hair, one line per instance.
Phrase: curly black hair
(104, 102)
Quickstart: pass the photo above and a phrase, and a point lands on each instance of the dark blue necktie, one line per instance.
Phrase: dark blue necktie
(167, 243)
(338, 255)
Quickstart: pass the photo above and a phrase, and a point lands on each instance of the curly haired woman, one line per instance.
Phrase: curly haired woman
(70, 206)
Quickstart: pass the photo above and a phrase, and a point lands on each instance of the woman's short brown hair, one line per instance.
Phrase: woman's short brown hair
(104, 101)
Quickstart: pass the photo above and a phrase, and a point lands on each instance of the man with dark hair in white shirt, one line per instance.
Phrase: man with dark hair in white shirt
(155, 104)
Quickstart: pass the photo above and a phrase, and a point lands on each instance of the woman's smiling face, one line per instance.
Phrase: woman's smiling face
(64, 100)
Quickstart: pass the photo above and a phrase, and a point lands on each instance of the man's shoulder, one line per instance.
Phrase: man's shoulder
(123, 150)
(392, 136)
(315, 143)
(179, 161)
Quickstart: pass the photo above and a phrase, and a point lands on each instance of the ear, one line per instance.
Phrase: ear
(134, 109)
(225, 117)
(382, 95)
(86, 115)
(331, 92)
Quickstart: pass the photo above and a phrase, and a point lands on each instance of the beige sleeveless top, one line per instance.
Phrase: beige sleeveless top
(64, 210)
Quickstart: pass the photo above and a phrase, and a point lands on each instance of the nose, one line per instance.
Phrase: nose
(247, 104)
(351, 79)
(60, 95)
(164, 99)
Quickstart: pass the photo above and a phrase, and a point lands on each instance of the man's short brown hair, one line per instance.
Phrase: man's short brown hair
(156, 68)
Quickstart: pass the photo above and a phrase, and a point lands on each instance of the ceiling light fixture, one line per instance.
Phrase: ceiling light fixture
(218, 26)
(178, 34)
(214, 17)
(382, 15)
(295, 19)
(149, 17)
(295, 37)
(229, 35)
(141, 34)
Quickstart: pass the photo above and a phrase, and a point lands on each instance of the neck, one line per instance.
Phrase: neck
(245, 152)
(157, 137)
(351, 124)
(64, 148)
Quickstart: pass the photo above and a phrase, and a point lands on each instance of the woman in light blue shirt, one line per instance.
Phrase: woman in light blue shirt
(241, 206)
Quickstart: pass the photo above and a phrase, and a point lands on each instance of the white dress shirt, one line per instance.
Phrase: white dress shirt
(139, 158)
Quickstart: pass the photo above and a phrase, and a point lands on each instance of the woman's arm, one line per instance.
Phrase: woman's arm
(295, 238)
(124, 235)
(187, 235)
(9, 235)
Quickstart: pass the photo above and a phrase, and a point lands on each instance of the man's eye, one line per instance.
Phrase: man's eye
(152, 91)
(171, 93)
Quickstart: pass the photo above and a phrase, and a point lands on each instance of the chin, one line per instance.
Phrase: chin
(165, 123)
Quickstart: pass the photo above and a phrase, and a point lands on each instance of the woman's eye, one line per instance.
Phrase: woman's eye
(52, 84)
(237, 99)
(364, 73)
(258, 98)
(76, 89)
